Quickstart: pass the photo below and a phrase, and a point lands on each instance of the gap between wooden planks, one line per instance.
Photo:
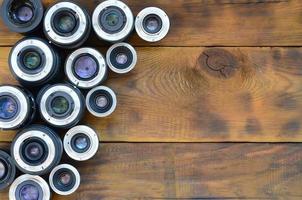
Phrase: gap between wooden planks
(213, 23)
(162, 171)
(190, 94)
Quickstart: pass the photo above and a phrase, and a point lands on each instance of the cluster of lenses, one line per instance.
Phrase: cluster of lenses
(36, 64)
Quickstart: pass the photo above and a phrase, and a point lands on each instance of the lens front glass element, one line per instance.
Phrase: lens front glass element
(65, 22)
(29, 192)
(8, 107)
(24, 13)
(2, 170)
(152, 23)
(32, 60)
(60, 105)
(85, 67)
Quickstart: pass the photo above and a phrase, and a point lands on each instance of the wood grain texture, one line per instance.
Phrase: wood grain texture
(202, 95)
(214, 23)
(162, 171)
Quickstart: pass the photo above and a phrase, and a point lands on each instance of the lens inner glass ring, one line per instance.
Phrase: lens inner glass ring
(8, 107)
(32, 60)
(60, 105)
(121, 58)
(80, 143)
(34, 151)
(112, 19)
(152, 24)
(65, 22)
(64, 179)
(29, 192)
(85, 67)
(3, 170)
(21, 12)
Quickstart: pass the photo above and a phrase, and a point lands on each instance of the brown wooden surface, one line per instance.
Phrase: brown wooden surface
(182, 92)
(162, 171)
(203, 94)
(216, 22)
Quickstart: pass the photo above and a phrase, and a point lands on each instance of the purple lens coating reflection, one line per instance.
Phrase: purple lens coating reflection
(24, 13)
(8, 107)
(85, 67)
(2, 170)
(29, 192)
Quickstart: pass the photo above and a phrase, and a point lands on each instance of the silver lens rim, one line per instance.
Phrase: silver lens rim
(94, 142)
(140, 27)
(71, 168)
(63, 40)
(114, 103)
(26, 177)
(128, 69)
(75, 97)
(86, 84)
(24, 107)
(49, 62)
(116, 36)
(51, 151)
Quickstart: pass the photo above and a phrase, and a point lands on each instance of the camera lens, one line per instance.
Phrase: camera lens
(101, 101)
(36, 150)
(86, 68)
(112, 21)
(29, 187)
(17, 107)
(152, 24)
(81, 143)
(34, 62)
(61, 105)
(121, 58)
(67, 24)
(22, 16)
(64, 179)
(7, 170)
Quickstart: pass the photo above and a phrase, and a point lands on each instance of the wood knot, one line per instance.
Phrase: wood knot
(218, 62)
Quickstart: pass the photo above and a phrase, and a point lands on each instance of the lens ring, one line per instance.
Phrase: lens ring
(114, 66)
(111, 36)
(88, 83)
(78, 108)
(42, 47)
(53, 148)
(23, 109)
(9, 171)
(93, 139)
(152, 36)
(29, 180)
(79, 35)
(70, 169)
(65, 22)
(23, 16)
(91, 95)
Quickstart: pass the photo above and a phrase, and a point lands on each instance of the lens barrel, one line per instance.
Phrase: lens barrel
(17, 107)
(112, 21)
(67, 24)
(64, 179)
(86, 68)
(36, 150)
(34, 62)
(61, 105)
(81, 143)
(7, 170)
(101, 101)
(22, 16)
(121, 58)
(152, 24)
(29, 187)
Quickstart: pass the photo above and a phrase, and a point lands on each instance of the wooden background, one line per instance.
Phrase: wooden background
(213, 111)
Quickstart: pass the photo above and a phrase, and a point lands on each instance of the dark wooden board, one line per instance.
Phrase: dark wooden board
(162, 171)
(203, 94)
(214, 23)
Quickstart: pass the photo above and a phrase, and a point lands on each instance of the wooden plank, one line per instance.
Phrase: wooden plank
(146, 171)
(203, 94)
(215, 23)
